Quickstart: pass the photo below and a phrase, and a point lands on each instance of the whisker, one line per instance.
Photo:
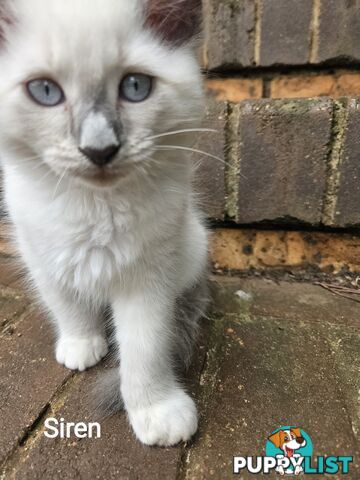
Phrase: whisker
(186, 130)
(193, 150)
(24, 159)
(59, 182)
(31, 159)
(45, 176)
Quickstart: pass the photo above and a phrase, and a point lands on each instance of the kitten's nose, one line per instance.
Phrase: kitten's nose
(100, 157)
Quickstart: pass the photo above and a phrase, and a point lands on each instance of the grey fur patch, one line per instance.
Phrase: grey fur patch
(191, 306)
(106, 396)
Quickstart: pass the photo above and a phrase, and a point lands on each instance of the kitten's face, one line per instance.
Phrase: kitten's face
(84, 86)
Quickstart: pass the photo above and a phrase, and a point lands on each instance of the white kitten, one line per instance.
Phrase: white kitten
(101, 201)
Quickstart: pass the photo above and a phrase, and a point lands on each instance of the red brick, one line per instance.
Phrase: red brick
(229, 33)
(347, 210)
(246, 249)
(210, 176)
(339, 31)
(285, 32)
(235, 89)
(281, 149)
(315, 85)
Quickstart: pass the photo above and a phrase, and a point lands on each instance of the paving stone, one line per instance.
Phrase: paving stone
(345, 347)
(229, 33)
(278, 353)
(285, 32)
(348, 206)
(12, 306)
(29, 376)
(339, 31)
(210, 176)
(117, 454)
(12, 272)
(13, 302)
(282, 177)
(299, 302)
(263, 374)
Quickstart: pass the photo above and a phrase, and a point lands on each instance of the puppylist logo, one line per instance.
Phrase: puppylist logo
(289, 451)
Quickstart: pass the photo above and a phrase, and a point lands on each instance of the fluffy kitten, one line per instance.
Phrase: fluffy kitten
(101, 201)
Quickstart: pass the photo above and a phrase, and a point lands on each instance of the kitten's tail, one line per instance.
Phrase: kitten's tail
(106, 396)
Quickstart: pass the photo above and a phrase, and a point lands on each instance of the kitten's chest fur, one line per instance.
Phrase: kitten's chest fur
(94, 240)
(89, 241)
(101, 243)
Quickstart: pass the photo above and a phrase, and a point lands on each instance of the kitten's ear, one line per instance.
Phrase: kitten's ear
(176, 21)
(5, 20)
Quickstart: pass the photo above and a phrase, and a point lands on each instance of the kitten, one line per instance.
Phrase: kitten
(100, 198)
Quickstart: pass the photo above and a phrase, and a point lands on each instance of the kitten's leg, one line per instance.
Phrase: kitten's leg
(160, 411)
(81, 341)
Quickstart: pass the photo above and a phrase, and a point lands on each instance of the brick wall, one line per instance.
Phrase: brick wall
(282, 81)
(285, 161)
(264, 33)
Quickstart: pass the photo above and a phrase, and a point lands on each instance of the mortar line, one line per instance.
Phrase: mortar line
(266, 87)
(257, 37)
(206, 36)
(232, 166)
(314, 31)
(334, 159)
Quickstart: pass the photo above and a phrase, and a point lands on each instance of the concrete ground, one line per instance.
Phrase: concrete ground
(278, 354)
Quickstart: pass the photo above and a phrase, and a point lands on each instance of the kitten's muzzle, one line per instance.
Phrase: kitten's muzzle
(100, 157)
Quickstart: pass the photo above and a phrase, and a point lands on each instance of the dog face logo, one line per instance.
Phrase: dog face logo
(289, 445)
(289, 451)
(288, 441)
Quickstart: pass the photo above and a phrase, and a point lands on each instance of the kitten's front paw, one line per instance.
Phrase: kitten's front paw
(167, 422)
(81, 353)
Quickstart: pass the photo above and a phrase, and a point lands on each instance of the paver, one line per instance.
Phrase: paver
(270, 354)
(116, 455)
(29, 377)
(265, 372)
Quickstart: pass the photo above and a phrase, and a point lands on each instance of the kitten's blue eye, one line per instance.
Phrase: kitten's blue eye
(136, 87)
(45, 92)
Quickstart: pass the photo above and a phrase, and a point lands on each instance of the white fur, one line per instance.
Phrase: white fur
(136, 242)
(96, 132)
